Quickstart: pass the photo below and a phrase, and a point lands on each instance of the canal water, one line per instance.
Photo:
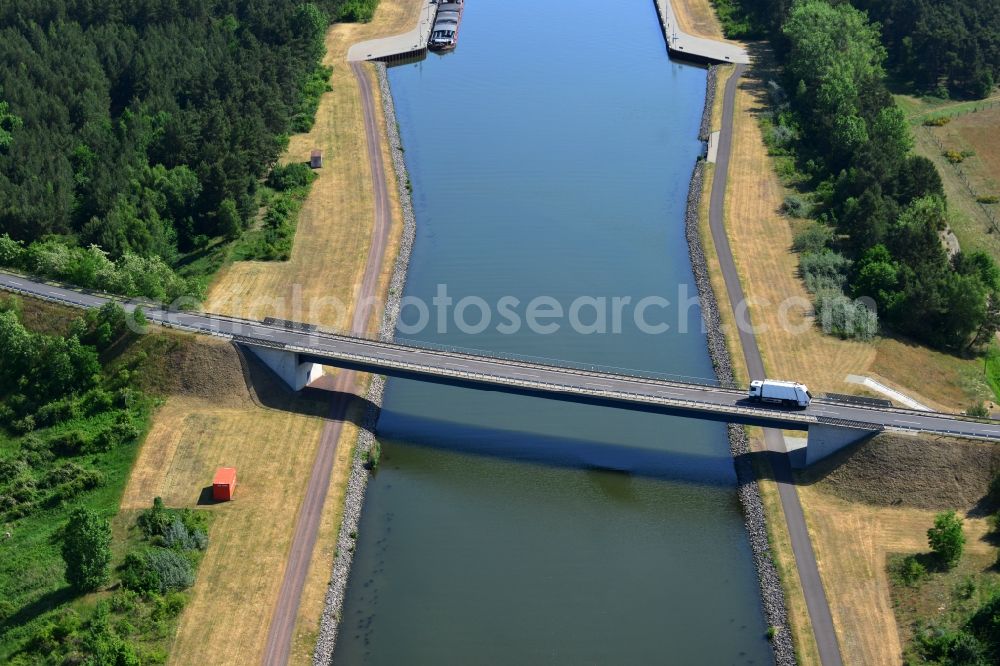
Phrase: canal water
(550, 157)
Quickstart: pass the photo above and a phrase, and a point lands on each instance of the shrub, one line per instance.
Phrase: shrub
(153, 522)
(178, 536)
(966, 588)
(124, 601)
(848, 319)
(954, 156)
(69, 443)
(988, 199)
(373, 455)
(290, 176)
(824, 270)
(813, 239)
(69, 480)
(11, 252)
(939, 121)
(56, 412)
(156, 570)
(173, 571)
(946, 538)
(796, 206)
(11, 468)
(86, 550)
(357, 11)
(978, 410)
(909, 571)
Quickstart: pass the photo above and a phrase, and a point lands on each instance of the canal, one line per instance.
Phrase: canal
(550, 157)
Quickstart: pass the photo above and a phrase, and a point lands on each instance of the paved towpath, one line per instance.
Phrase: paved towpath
(805, 557)
(279, 637)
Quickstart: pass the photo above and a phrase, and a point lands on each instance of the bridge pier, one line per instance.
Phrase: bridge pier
(287, 365)
(826, 438)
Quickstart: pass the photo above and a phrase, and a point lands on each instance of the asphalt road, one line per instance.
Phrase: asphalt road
(805, 557)
(548, 379)
(543, 379)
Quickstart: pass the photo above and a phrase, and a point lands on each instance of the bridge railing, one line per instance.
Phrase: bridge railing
(451, 348)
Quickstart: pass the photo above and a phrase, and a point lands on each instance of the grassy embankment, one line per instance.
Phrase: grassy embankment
(761, 238)
(252, 538)
(869, 507)
(209, 418)
(82, 459)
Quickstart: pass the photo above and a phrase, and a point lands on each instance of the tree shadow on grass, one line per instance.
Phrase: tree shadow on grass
(47, 602)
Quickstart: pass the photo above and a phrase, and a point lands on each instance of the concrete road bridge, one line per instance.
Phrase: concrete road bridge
(296, 352)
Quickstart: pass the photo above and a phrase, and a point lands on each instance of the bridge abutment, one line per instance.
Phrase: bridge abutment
(826, 438)
(287, 365)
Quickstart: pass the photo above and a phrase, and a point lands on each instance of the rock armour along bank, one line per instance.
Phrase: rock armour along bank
(354, 496)
(772, 593)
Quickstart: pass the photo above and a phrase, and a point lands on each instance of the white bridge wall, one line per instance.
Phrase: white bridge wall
(286, 365)
(824, 440)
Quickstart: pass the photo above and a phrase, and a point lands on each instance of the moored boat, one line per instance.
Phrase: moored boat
(444, 34)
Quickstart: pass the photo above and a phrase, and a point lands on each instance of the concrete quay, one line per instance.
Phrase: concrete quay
(683, 45)
(398, 47)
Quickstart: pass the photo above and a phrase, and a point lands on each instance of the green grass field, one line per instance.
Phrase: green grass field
(42, 619)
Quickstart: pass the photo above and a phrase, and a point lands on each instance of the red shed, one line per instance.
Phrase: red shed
(224, 484)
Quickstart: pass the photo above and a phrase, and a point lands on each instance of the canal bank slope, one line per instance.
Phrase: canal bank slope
(772, 592)
(366, 447)
(761, 239)
(321, 282)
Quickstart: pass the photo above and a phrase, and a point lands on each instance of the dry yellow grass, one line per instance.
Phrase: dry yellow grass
(803, 638)
(321, 279)
(697, 17)
(274, 449)
(761, 238)
(318, 578)
(852, 542)
(250, 537)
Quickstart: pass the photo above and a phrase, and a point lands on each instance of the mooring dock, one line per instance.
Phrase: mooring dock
(682, 44)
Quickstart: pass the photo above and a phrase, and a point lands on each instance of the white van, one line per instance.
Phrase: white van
(789, 394)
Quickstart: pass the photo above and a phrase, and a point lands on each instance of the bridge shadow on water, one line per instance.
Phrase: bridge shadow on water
(557, 451)
(645, 461)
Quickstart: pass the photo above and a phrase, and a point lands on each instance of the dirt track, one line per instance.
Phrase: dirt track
(282, 625)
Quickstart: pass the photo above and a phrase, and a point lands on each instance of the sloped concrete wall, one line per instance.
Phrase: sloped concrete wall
(286, 365)
(825, 440)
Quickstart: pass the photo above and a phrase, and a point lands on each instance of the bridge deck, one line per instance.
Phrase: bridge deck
(550, 380)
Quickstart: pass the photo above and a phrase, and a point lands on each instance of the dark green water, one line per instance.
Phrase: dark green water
(550, 156)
